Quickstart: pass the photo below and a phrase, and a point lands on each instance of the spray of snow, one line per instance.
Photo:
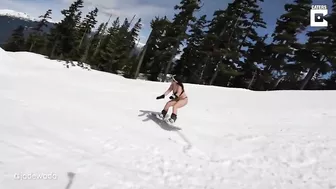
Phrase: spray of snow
(74, 128)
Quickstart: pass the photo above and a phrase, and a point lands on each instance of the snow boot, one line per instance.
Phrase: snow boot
(172, 118)
(163, 114)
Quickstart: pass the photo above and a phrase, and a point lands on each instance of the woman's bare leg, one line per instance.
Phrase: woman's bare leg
(179, 104)
(169, 104)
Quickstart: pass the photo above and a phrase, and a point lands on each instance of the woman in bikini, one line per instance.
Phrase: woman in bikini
(178, 99)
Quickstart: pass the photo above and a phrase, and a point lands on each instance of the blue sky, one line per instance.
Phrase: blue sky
(146, 9)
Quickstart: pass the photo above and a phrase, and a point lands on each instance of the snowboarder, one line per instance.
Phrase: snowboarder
(178, 99)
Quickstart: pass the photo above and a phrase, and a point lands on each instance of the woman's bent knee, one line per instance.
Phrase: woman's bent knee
(170, 103)
(181, 103)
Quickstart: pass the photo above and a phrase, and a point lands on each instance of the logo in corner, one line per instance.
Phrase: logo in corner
(318, 14)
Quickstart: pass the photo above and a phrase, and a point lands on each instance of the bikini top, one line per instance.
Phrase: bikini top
(175, 93)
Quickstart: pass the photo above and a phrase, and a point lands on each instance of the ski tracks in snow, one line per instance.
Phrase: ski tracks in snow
(249, 159)
(263, 160)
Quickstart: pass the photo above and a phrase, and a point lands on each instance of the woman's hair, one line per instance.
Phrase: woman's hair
(179, 79)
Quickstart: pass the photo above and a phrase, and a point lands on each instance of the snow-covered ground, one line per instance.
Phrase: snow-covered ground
(79, 129)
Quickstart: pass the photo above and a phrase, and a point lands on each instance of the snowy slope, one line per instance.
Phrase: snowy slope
(92, 130)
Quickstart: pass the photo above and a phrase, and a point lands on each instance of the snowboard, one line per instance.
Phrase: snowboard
(165, 120)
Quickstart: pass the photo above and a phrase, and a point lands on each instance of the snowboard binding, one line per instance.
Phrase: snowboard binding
(171, 119)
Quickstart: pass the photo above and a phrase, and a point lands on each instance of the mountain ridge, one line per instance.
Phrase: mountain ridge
(21, 15)
(11, 19)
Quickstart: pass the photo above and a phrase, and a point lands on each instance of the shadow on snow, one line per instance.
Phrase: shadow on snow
(165, 126)
(151, 115)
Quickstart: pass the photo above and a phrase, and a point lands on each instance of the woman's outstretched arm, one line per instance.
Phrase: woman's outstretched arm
(169, 89)
(166, 93)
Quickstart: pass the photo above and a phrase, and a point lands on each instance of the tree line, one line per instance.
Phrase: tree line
(225, 50)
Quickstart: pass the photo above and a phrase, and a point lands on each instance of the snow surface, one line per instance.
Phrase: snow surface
(21, 15)
(73, 128)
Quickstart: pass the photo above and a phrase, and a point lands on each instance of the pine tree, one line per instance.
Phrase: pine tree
(285, 43)
(101, 38)
(121, 43)
(221, 42)
(192, 60)
(255, 55)
(130, 66)
(319, 54)
(150, 47)
(17, 41)
(83, 31)
(250, 20)
(330, 84)
(230, 32)
(37, 38)
(87, 25)
(106, 50)
(134, 33)
(94, 41)
(43, 22)
(177, 32)
(155, 48)
(63, 37)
